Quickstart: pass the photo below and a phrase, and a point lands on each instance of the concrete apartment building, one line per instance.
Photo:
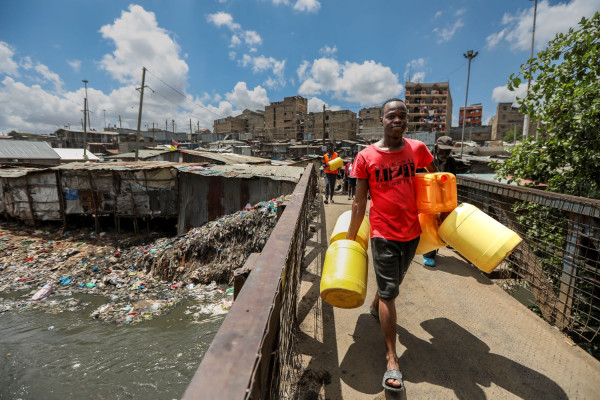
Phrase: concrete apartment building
(229, 125)
(474, 113)
(337, 125)
(252, 122)
(369, 124)
(284, 120)
(429, 106)
(508, 118)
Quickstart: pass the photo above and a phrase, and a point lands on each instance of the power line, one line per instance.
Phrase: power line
(184, 96)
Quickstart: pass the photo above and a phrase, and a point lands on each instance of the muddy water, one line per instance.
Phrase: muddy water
(68, 355)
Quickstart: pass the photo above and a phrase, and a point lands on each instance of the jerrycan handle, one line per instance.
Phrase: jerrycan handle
(442, 178)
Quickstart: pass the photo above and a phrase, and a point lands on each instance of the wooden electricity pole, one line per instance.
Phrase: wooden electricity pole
(139, 122)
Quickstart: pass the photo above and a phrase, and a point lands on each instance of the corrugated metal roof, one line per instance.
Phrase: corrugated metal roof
(17, 172)
(120, 165)
(24, 149)
(228, 158)
(94, 132)
(75, 154)
(276, 172)
(142, 153)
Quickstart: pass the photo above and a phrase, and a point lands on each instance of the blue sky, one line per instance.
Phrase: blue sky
(213, 58)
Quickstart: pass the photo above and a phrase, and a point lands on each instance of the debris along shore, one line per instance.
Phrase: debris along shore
(140, 276)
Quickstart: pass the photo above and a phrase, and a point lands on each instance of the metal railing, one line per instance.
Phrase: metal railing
(558, 261)
(252, 356)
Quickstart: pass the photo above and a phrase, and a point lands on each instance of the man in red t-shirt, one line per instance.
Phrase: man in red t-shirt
(386, 170)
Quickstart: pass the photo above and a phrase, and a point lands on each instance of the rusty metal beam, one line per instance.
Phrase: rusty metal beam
(233, 367)
(564, 202)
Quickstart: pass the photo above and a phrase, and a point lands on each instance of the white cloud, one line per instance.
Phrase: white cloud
(232, 55)
(49, 76)
(301, 71)
(284, 2)
(26, 63)
(223, 19)
(460, 11)
(235, 41)
(328, 51)
(445, 34)
(501, 94)
(261, 64)
(315, 105)
(75, 64)
(7, 64)
(411, 73)
(252, 38)
(550, 20)
(140, 42)
(365, 83)
(307, 5)
(437, 15)
(243, 98)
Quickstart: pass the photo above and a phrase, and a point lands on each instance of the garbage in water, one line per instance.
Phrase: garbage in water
(140, 276)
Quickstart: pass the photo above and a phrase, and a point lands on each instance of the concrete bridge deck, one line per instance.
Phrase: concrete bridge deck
(459, 336)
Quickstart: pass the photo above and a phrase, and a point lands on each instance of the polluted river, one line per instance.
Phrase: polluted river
(117, 316)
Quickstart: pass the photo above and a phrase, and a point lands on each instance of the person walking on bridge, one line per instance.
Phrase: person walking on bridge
(330, 176)
(386, 170)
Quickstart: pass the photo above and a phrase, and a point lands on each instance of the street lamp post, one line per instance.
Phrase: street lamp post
(470, 55)
(526, 116)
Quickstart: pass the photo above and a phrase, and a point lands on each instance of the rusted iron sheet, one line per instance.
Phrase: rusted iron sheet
(233, 359)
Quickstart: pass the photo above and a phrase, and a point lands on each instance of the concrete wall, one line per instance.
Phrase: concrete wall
(205, 198)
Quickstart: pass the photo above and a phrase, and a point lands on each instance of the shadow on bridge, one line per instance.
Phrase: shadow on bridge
(453, 358)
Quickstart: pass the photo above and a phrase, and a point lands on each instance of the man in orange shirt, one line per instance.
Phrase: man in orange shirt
(330, 176)
(386, 170)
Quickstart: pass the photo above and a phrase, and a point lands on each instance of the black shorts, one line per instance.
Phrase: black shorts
(390, 261)
(351, 181)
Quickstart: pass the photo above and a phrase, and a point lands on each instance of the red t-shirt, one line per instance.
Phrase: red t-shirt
(391, 175)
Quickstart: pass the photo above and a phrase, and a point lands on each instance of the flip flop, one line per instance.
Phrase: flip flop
(374, 313)
(396, 375)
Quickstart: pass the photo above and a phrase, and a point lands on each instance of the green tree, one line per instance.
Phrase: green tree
(509, 137)
(565, 98)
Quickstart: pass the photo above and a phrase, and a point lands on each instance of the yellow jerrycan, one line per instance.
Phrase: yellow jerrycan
(435, 192)
(478, 237)
(336, 164)
(344, 278)
(343, 224)
(430, 239)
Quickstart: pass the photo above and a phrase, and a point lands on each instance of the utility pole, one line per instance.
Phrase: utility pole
(323, 124)
(515, 133)
(470, 55)
(104, 118)
(85, 118)
(120, 126)
(139, 122)
(526, 117)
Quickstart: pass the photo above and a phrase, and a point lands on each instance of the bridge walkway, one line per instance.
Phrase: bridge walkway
(459, 336)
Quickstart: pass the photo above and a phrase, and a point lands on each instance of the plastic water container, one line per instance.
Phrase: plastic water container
(336, 164)
(344, 279)
(430, 239)
(435, 192)
(478, 237)
(343, 224)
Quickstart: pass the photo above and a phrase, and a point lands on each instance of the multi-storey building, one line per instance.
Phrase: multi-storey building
(473, 118)
(229, 125)
(369, 124)
(284, 120)
(429, 106)
(508, 118)
(337, 125)
(255, 122)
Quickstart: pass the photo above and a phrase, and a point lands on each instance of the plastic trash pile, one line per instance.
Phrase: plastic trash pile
(141, 276)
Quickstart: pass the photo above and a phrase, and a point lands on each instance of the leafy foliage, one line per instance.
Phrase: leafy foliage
(565, 98)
